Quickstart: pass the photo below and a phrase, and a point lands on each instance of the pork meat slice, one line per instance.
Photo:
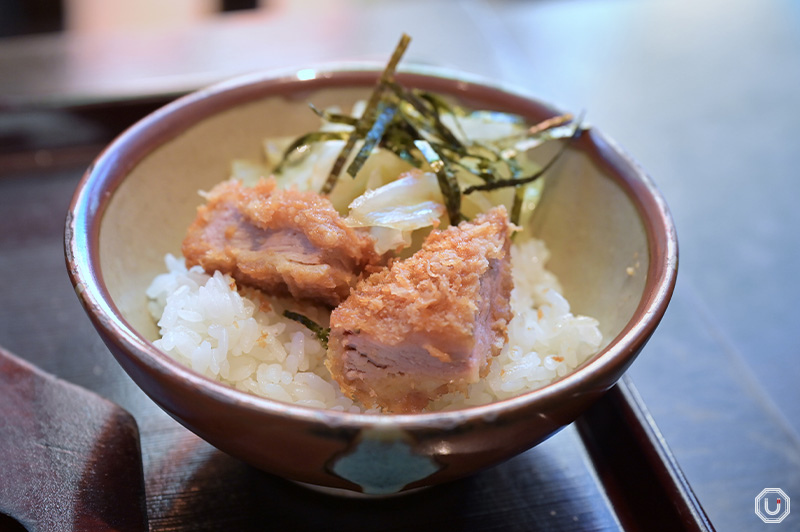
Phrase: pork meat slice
(430, 324)
(284, 241)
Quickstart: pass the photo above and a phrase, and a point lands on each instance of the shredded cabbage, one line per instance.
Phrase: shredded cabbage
(411, 202)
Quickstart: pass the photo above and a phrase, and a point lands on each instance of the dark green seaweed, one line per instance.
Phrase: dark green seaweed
(429, 112)
(385, 114)
(321, 332)
(408, 122)
(448, 184)
(369, 116)
(305, 141)
(334, 118)
(517, 181)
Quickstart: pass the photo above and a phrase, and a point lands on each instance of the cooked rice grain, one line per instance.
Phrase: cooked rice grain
(242, 339)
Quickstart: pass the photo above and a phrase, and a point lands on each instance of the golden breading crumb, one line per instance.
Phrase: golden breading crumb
(284, 241)
(429, 324)
(435, 290)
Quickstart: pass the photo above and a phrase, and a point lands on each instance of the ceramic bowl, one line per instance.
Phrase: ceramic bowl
(613, 247)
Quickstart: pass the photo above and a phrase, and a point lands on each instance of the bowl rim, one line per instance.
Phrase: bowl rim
(105, 174)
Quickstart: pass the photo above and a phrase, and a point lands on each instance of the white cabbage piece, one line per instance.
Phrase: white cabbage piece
(392, 207)
(248, 172)
(393, 211)
(412, 201)
(388, 239)
(380, 168)
(478, 128)
(310, 169)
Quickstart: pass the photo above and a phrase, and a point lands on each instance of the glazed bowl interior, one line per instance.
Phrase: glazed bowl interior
(609, 232)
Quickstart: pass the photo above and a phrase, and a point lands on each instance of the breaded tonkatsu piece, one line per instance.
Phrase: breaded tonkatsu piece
(429, 324)
(283, 241)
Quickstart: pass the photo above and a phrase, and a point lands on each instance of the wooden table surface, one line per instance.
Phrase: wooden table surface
(703, 94)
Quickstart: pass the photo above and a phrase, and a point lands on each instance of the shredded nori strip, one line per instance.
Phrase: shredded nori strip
(408, 122)
(551, 129)
(517, 181)
(399, 141)
(385, 115)
(427, 110)
(443, 105)
(334, 118)
(321, 332)
(304, 141)
(516, 207)
(448, 183)
(369, 116)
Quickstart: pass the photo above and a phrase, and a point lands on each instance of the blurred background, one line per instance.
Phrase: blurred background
(704, 94)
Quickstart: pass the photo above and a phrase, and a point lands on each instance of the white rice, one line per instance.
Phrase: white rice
(242, 339)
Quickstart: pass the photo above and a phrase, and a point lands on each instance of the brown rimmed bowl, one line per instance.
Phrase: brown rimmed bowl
(612, 240)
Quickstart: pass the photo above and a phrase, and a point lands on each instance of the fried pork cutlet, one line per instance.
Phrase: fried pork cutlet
(430, 324)
(283, 241)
